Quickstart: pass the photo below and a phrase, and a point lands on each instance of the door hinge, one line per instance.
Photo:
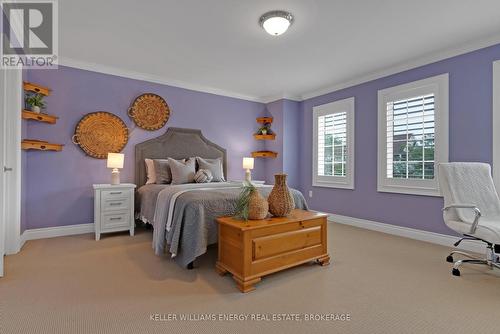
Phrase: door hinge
(7, 169)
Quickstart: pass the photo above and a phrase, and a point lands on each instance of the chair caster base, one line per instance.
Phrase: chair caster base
(455, 272)
(449, 258)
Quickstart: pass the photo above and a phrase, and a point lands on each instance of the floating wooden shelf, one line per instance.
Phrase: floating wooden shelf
(265, 137)
(33, 144)
(264, 120)
(36, 88)
(26, 114)
(264, 154)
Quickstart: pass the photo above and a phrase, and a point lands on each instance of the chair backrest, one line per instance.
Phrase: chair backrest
(468, 183)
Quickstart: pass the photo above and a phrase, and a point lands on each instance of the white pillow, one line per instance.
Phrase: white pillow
(150, 171)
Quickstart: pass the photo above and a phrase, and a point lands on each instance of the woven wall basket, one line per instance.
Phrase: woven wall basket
(99, 133)
(149, 111)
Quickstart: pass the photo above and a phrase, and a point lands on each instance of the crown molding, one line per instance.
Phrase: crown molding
(408, 65)
(273, 98)
(120, 72)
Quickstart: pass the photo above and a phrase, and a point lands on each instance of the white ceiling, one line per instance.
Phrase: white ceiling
(218, 46)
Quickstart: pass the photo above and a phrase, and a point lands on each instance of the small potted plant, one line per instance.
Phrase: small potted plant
(35, 102)
(265, 129)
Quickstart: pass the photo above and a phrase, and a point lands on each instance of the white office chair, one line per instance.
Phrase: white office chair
(471, 208)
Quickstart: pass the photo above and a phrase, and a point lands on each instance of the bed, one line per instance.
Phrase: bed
(183, 216)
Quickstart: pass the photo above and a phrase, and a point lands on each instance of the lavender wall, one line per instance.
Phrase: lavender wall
(286, 122)
(291, 141)
(470, 111)
(273, 166)
(57, 185)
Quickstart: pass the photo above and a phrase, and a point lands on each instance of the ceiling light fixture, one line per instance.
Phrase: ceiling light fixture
(276, 22)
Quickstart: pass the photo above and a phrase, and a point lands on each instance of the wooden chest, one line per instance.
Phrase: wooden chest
(252, 249)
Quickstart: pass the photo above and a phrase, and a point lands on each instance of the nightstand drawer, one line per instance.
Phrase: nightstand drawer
(114, 194)
(111, 204)
(114, 220)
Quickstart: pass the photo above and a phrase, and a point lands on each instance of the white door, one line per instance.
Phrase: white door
(2, 169)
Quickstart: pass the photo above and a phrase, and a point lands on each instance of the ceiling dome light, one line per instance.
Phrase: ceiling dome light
(276, 22)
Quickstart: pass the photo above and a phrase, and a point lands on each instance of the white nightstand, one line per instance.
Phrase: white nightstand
(113, 208)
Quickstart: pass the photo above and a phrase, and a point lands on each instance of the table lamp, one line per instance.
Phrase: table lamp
(248, 165)
(115, 161)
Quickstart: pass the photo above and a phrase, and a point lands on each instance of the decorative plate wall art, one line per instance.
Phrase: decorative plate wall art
(99, 133)
(149, 111)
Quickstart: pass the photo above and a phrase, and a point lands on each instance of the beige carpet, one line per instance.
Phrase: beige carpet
(386, 284)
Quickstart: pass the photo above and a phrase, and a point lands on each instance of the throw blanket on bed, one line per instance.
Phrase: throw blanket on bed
(192, 225)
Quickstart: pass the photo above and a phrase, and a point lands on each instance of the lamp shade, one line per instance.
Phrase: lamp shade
(248, 163)
(115, 160)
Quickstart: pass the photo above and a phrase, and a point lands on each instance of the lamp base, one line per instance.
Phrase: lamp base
(248, 176)
(115, 176)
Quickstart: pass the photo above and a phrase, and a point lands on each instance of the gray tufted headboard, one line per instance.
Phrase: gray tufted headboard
(176, 143)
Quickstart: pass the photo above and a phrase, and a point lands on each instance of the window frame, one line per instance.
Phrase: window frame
(341, 182)
(496, 123)
(439, 86)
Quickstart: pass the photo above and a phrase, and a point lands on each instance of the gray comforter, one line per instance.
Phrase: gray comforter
(192, 226)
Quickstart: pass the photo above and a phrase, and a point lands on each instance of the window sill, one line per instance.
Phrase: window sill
(333, 185)
(420, 191)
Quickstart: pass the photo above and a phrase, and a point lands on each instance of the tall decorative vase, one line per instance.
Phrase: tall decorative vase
(257, 206)
(280, 199)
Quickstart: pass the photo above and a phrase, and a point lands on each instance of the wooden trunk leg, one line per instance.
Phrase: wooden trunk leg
(324, 261)
(219, 269)
(246, 286)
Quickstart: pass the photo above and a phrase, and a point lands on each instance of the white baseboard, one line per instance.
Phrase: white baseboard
(435, 238)
(22, 241)
(59, 231)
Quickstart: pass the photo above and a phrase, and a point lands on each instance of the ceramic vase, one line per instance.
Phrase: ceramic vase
(35, 109)
(280, 199)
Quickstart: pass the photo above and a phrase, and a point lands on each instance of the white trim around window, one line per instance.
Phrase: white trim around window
(435, 89)
(496, 123)
(341, 115)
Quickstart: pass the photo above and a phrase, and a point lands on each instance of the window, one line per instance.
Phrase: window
(333, 141)
(413, 136)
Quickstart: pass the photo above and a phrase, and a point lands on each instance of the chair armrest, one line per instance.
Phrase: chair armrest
(477, 213)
